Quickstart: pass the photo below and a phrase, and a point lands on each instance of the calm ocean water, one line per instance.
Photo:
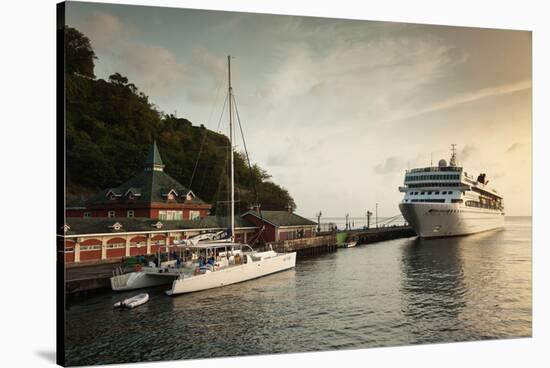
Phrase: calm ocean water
(405, 291)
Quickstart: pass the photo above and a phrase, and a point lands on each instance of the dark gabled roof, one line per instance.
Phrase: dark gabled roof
(281, 218)
(150, 186)
(82, 226)
(79, 202)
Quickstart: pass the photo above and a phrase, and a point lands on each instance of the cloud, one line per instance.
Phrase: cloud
(153, 69)
(392, 165)
(468, 152)
(469, 97)
(515, 147)
(104, 28)
(277, 160)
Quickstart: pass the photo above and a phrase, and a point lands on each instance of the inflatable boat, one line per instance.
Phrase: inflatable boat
(133, 302)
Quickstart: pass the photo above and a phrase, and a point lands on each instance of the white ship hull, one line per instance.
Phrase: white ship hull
(432, 220)
(234, 274)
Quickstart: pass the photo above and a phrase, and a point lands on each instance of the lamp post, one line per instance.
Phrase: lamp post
(369, 214)
(377, 215)
(319, 221)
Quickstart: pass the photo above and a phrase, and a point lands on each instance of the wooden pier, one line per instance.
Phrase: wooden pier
(374, 235)
(306, 246)
(326, 242)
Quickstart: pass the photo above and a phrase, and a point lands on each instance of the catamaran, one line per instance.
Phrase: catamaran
(222, 263)
(156, 274)
(211, 260)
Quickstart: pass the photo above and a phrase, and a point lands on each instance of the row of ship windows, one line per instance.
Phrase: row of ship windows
(432, 177)
(491, 206)
(429, 193)
(434, 184)
(432, 200)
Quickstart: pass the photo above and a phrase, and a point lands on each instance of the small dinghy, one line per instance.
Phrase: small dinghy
(133, 302)
(350, 244)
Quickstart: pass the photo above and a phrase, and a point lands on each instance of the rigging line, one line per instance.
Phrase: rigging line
(246, 152)
(256, 197)
(220, 184)
(202, 144)
(214, 103)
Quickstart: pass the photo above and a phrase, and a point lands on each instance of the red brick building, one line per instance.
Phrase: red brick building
(281, 225)
(150, 194)
(93, 240)
(151, 211)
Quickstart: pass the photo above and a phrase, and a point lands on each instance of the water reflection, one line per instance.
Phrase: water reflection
(433, 287)
(392, 293)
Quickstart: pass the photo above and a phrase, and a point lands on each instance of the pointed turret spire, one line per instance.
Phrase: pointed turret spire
(153, 160)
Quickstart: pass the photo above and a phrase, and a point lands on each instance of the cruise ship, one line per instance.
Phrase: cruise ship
(444, 200)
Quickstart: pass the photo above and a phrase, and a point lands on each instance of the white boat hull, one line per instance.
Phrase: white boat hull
(432, 220)
(140, 280)
(350, 244)
(234, 274)
(133, 302)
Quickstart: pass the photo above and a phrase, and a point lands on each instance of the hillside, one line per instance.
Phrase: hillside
(110, 125)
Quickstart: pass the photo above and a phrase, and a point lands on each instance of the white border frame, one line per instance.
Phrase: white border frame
(28, 85)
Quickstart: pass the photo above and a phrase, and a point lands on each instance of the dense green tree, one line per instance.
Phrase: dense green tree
(79, 54)
(110, 126)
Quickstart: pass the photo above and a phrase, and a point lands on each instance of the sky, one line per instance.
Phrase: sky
(335, 110)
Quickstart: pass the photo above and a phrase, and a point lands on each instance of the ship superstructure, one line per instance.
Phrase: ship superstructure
(444, 200)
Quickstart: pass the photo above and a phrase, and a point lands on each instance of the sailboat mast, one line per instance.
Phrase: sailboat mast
(231, 148)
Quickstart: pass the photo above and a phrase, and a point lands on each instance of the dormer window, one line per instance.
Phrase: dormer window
(116, 226)
(111, 195)
(66, 228)
(133, 193)
(171, 195)
(158, 225)
(189, 196)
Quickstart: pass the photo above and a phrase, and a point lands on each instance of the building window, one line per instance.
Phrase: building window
(87, 214)
(111, 214)
(90, 247)
(170, 215)
(194, 215)
(130, 213)
(116, 246)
